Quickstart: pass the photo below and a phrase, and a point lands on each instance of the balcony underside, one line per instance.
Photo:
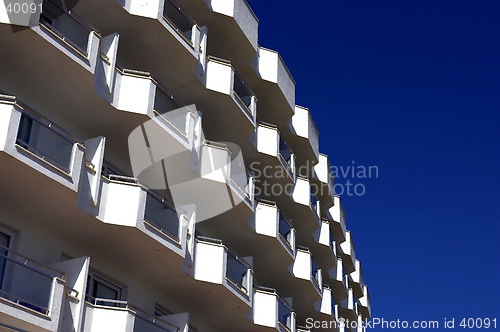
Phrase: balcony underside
(324, 195)
(339, 291)
(223, 31)
(304, 297)
(305, 155)
(324, 256)
(305, 222)
(270, 258)
(276, 108)
(272, 175)
(223, 120)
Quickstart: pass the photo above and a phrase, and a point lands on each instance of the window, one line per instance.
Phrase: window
(24, 133)
(4, 241)
(161, 311)
(100, 288)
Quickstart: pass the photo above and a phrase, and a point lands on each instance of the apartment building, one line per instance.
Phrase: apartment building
(157, 175)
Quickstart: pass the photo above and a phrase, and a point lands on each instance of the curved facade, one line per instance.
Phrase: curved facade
(157, 175)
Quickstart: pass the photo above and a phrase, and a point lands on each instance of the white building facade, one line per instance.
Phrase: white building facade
(157, 175)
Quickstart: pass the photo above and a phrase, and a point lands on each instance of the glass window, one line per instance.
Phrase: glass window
(4, 241)
(99, 288)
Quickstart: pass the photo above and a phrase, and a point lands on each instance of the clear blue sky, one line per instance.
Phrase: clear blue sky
(412, 87)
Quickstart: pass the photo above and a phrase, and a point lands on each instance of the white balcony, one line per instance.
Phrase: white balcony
(323, 179)
(306, 211)
(33, 140)
(305, 268)
(337, 218)
(239, 102)
(356, 279)
(102, 315)
(125, 202)
(268, 141)
(229, 23)
(217, 264)
(172, 16)
(138, 92)
(271, 310)
(38, 297)
(270, 221)
(347, 252)
(327, 305)
(276, 87)
(304, 139)
(338, 282)
(364, 307)
(347, 308)
(325, 249)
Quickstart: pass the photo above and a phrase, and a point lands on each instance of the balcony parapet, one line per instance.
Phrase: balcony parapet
(121, 316)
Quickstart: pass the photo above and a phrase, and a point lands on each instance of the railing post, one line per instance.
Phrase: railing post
(251, 188)
(253, 108)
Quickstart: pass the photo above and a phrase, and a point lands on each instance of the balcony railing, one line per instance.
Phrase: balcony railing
(166, 101)
(179, 20)
(243, 94)
(286, 157)
(27, 282)
(284, 314)
(315, 273)
(161, 214)
(314, 204)
(285, 229)
(241, 178)
(45, 140)
(67, 26)
(342, 217)
(237, 271)
(145, 322)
